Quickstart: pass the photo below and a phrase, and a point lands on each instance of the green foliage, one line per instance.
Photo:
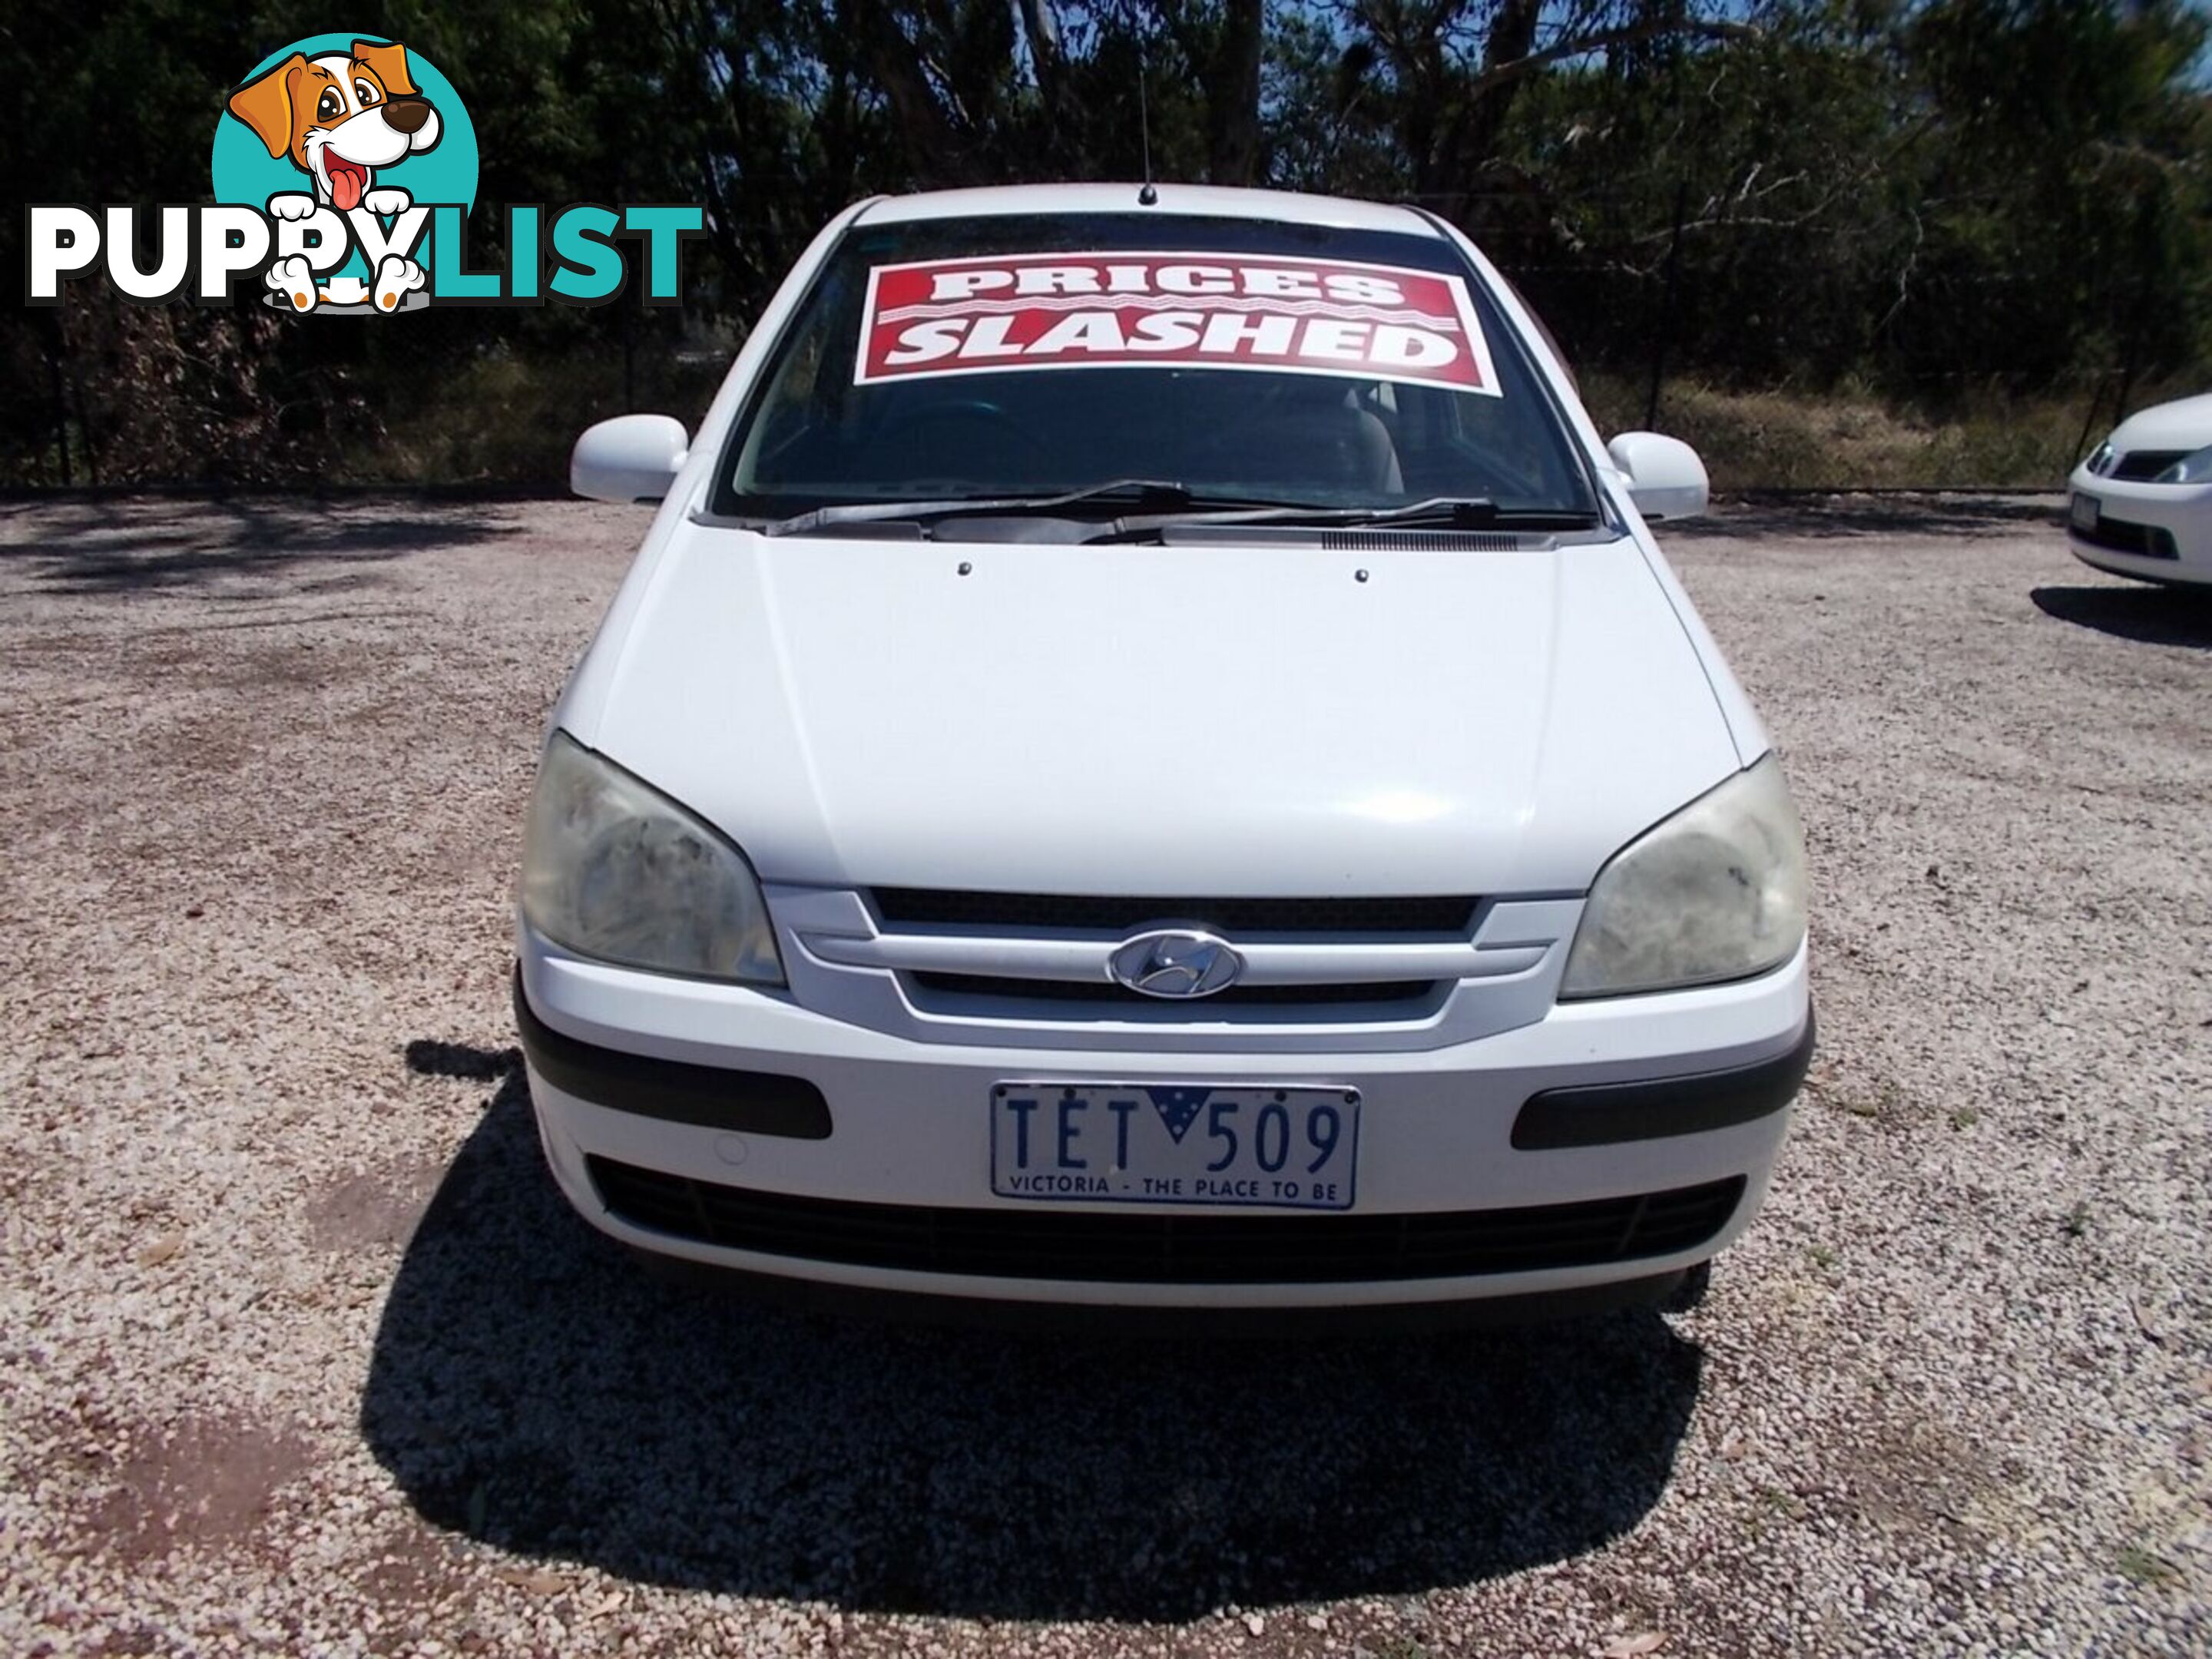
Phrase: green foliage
(1941, 199)
(2073, 158)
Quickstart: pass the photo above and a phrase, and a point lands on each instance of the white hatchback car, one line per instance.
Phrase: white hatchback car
(1149, 761)
(2141, 503)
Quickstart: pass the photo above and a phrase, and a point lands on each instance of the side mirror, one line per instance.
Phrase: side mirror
(1665, 479)
(632, 458)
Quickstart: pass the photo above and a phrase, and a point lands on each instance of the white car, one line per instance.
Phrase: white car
(2141, 503)
(1149, 762)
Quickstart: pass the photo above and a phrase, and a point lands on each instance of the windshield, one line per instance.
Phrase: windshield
(1233, 360)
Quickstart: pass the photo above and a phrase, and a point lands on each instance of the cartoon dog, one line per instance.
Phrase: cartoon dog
(339, 118)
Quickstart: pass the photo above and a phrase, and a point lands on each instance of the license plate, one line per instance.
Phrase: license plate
(2083, 511)
(1148, 1143)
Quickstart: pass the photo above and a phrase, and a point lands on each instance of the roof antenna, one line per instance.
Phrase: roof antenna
(1147, 196)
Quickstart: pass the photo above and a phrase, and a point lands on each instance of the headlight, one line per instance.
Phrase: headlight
(614, 870)
(1716, 892)
(2100, 461)
(2189, 469)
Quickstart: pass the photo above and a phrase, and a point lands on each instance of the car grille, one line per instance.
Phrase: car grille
(1169, 1250)
(945, 906)
(1390, 994)
(2144, 541)
(930, 927)
(2143, 464)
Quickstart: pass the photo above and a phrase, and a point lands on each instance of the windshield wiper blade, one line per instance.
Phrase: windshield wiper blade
(1142, 495)
(1487, 515)
(1456, 512)
(1154, 504)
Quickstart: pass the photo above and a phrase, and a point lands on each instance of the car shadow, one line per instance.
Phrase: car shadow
(2152, 616)
(126, 546)
(534, 1387)
(1754, 516)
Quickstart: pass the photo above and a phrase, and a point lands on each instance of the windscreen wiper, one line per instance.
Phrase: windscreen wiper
(1154, 504)
(1139, 495)
(1453, 512)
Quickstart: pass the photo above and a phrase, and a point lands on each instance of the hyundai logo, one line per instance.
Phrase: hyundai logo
(1174, 963)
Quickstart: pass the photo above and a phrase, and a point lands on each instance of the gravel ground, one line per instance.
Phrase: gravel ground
(303, 1352)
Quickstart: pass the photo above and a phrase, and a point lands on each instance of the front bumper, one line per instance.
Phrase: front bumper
(2156, 532)
(1610, 1142)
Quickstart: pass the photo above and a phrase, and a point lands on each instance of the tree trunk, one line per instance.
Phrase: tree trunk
(941, 153)
(1452, 165)
(1232, 96)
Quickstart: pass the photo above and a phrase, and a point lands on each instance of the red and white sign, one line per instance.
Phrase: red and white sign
(1022, 311)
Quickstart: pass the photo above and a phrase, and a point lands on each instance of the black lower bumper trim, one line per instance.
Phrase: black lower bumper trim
(1109, 1247)
(2141, 541)
(676, 1091)
(1605, 1114)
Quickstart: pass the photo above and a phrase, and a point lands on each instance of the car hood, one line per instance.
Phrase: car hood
(1172, 721)
(2186, 424)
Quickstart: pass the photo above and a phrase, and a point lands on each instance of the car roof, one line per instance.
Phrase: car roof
(1207, 201)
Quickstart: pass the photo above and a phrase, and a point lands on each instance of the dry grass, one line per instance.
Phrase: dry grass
(504, 418)
(1852, 439)
(511, 419)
